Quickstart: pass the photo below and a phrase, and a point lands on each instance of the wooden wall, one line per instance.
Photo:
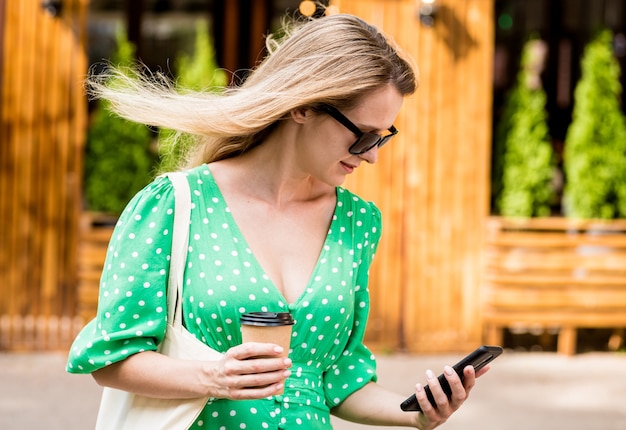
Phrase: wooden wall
(431, 182)
(43, 116)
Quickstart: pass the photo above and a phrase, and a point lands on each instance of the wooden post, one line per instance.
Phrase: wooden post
(567, 341)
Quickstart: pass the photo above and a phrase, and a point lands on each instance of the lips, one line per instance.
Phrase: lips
(348, 167)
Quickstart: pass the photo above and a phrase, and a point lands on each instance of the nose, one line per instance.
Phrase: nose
(370, 156)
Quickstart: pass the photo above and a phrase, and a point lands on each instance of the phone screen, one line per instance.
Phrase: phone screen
(477, 359)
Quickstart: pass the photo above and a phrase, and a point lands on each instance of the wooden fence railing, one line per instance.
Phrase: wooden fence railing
(554, 273)
(42, 129)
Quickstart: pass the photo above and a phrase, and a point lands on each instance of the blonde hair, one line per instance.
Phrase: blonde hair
(335, 60)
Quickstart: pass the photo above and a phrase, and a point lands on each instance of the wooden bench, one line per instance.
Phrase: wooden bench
(557, 274)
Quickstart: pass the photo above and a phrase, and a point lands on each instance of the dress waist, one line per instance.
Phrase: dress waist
(305, 386)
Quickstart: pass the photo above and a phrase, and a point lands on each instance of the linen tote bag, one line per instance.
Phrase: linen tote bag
(121, 410)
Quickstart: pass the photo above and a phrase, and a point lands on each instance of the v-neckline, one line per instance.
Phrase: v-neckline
(257, 263)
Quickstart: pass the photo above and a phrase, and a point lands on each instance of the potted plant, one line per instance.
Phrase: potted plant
(524, 164)
(120, 155)
(595, 144)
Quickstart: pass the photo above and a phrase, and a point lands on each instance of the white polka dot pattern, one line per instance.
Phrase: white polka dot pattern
(223, 280)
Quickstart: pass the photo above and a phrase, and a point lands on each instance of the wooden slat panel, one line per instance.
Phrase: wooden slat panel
(43, 125)
(566, 318)
(556, 261)
(498, 224)
(553, 240)
(540, 281)
(386, 191)
(595, 300)
(431, 183)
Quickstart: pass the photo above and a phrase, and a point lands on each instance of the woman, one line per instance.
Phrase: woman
(271, 230)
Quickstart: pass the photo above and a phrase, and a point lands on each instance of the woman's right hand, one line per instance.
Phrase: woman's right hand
(248, 371)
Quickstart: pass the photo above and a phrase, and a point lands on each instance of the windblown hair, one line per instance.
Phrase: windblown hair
(335, 59)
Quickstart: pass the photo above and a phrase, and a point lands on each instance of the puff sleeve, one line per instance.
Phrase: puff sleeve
(357, 366)
(132, 304)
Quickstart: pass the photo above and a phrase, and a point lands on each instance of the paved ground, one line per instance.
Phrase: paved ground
(525, 391)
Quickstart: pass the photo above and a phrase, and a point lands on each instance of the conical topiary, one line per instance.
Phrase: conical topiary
(595, 144)
(524, 164)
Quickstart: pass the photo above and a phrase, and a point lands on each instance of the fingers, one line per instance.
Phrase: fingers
(447, 393)
(431, 416)
(482, 371)
(459, 390)
(425, 399)
(444, 395)
(469, 377)
(257, 385)
(438, 393)
(255, 359)
(255, 349)
(253, 370)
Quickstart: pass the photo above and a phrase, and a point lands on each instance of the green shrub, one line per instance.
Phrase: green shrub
(524, 161)
(119, 160)
(198, 72)
(595, 144)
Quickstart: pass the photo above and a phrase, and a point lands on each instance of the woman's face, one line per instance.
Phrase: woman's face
(325, 144)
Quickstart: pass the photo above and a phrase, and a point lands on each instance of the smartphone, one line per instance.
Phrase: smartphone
(478, 359)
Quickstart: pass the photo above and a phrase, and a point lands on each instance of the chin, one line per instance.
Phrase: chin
(333, 178)
(338, 182)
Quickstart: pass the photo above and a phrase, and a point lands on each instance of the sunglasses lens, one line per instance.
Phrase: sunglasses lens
(385, 139)
(366, 142)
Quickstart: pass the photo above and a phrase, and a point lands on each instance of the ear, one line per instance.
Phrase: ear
(301, 115)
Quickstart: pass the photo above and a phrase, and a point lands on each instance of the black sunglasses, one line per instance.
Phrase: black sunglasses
(365, 140)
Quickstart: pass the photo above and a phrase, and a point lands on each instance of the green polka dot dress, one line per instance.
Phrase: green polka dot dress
(224, 280)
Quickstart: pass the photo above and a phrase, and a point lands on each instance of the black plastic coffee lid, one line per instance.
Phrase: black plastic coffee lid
(267, 318)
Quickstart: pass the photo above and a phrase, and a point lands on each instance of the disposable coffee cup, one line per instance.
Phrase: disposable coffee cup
(268, 327)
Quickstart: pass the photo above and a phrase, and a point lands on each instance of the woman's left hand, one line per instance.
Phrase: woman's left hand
(432, 416)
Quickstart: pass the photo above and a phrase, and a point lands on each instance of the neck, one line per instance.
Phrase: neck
(269, 173)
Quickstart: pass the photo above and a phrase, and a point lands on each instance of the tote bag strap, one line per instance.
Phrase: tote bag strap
(178, 256)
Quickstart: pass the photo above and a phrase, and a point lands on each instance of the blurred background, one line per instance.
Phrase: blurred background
(503, 196)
